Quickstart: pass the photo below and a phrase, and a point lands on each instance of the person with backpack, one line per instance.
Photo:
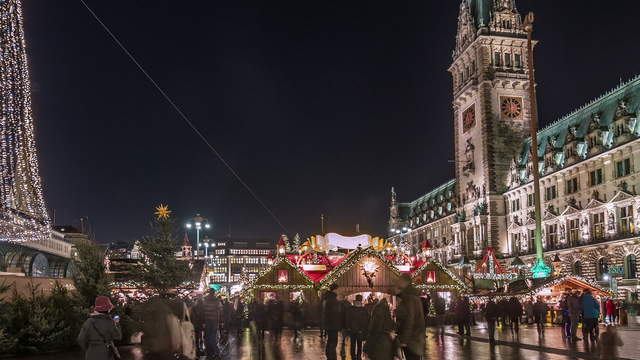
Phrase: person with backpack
(357, 325)
(99, 332)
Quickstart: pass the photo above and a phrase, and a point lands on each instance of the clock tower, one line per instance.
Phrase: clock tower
(490, 116)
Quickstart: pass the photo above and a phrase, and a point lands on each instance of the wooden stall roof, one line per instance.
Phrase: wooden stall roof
(267, 278)
(445, 279)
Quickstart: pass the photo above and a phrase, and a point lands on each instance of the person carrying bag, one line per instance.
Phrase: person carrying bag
(99, 332)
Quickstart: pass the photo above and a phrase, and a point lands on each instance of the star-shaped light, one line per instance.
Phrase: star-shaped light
(162, 212)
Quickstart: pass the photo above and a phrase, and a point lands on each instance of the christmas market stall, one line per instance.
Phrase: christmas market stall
(282, 280)
(363, 271)
(435, 279)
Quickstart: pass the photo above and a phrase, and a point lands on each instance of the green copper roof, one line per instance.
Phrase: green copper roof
(481, 11)
(435, 204)
(605, 107)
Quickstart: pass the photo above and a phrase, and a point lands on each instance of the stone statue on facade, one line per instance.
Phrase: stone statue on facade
(584, 228)
(611, 223)
(563, 234)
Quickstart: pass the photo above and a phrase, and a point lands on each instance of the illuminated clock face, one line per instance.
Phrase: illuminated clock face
(511, 108)
(469, 118)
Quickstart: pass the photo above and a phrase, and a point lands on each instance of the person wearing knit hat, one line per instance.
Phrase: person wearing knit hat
(99, 332)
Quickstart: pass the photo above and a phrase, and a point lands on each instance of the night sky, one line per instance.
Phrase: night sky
(321, 107)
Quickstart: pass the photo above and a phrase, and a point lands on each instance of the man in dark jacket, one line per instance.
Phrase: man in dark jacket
(211, 308)
(357, 324)
(463, 315)
(332, 321)
(575, 310)
(411, 327)
(491, 314)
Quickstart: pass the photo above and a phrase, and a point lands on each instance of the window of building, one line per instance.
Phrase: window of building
(550, 193)
(626, 221)
(530, 200)
(572, 185)
(593, 141)
(515, 205)
(577, 268)
(595, 177)
(497, 59)
(507, 59)
(515, 243)
(598, 225)
(603, 268)
(631, 267)
(517, 60)
(552, 235)
(574, 230)
(623, 167)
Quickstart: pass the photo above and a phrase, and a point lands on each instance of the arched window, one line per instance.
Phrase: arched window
(39, 266)
(631, 266)
(603, 268)
(577, 268)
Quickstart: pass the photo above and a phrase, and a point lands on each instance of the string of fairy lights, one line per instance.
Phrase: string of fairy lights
(23, 214)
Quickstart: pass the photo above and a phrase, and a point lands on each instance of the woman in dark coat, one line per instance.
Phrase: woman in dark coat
(379, 345)
(99, 331)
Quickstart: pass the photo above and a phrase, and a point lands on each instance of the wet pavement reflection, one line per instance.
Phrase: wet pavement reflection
(448, 347)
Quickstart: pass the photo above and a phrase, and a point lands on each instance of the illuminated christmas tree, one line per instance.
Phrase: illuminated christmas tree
(23, 215)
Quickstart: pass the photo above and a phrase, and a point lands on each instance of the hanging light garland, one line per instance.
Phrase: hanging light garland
(23, 215)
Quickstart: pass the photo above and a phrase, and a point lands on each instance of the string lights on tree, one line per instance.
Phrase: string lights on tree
(23, 215)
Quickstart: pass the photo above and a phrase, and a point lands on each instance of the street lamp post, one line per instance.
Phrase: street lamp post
(540, 270)
(199, 223)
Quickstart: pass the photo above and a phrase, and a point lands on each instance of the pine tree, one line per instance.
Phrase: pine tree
(90, 277)
(296, 242)
(159, 272)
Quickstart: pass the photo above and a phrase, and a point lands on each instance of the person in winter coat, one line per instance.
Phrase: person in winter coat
(441, 309)
(591, 312)
(463, 316)
(332, 320)
(379, 344)
(540, 310)
(357, 325)
(528, 311)
(515, 311)
(609, 343)
(211, 308)
(275, 312)
(610, 308)
(575, 310)
(491, 314)
(411, 327)
(99, 332)
(260, 318)
(295, 308)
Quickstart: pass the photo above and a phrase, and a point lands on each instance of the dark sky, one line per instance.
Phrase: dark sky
(320, 106)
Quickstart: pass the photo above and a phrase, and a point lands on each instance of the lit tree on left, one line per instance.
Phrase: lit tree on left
(23, 215)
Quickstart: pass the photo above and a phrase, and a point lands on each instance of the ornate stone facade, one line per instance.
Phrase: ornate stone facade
(589, 163)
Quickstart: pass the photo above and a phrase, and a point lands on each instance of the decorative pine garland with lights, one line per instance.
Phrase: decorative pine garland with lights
(23, 215)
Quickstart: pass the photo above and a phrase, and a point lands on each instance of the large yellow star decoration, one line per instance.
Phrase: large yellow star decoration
(162, 212)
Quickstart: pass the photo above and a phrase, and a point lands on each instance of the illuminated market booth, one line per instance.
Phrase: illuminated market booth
(362, 264)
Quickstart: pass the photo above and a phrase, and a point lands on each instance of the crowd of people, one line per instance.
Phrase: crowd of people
(373, 327)
(576, 307)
